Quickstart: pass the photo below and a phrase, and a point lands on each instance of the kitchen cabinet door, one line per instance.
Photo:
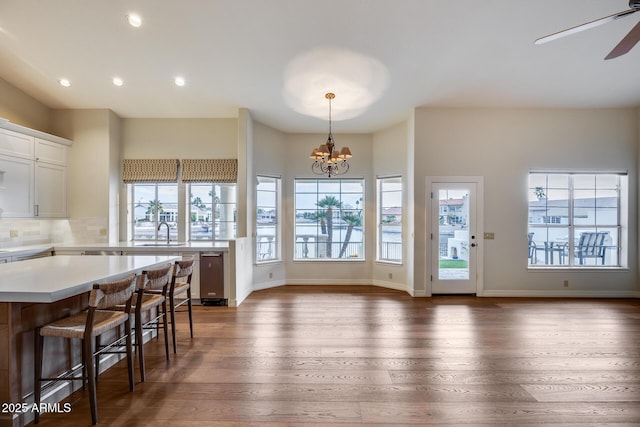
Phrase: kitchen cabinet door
(16, 187)
(51, 190)
(16, 144)
(51, 152)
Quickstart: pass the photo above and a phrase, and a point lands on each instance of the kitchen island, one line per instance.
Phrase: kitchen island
(36, 292)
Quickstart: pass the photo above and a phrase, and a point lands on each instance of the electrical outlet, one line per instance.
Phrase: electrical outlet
(566, 283)
(390, 275)
(13, 233)
(103, 231)
(270, 275)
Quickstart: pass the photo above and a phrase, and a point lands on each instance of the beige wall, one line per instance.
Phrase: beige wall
(390, 157)
(179, 138)
(269, 145)
(299, 166)
(23, 109)
(502, 146)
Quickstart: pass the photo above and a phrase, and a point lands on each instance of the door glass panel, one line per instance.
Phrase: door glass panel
(453, 234)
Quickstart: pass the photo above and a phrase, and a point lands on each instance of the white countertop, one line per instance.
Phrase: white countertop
(151, 246)
(50, 279)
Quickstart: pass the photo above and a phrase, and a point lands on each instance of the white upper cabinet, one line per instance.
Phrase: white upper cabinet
(51, 152)
(50, 190)
(16, 144)
(33, 173)
(16, 187)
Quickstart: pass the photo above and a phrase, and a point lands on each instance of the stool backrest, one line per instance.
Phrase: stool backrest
(183, 268)
(109, 294)
(157, 279)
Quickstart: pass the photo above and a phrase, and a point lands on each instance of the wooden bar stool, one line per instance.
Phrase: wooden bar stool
(180, 294)
(151, 293)
(86, 326)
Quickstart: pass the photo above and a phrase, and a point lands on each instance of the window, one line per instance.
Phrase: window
(576, 219)
(329, 219)
(212, 211)
(390, 219)
(267, 214)
(151, 205)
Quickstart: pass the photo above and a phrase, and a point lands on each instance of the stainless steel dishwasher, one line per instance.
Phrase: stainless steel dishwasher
(212, 279)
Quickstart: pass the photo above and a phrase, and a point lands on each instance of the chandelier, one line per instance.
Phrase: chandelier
(328, 160)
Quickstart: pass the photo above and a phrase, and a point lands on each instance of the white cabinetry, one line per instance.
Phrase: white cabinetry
(33, 173)
(16, 187)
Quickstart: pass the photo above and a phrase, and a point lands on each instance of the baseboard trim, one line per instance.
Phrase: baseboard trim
(560, 294)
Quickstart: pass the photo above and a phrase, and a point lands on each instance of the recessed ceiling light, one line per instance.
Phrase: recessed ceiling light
(117, 81)
(134, 20)
(179, 81)
(64, 82)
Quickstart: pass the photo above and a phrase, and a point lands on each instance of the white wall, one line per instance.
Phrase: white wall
(502, 146)
(390, 157)
(175, 139)
(22, 109)
(179, 138)
(269, 146)
(298, 165)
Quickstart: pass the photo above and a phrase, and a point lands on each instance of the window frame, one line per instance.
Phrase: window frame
(380, 251)
(305, 247)
(156, 221)
(576, 229)
(275, 246)
(214, 207)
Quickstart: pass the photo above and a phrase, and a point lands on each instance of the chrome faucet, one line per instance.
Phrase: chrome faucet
(165, 223)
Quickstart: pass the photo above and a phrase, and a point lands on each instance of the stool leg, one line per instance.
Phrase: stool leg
(140, 345)
(165, 327)
(87, 343)
(127, 326)
(97, 357)
(172, 307)
(190, 315)
(37, 391)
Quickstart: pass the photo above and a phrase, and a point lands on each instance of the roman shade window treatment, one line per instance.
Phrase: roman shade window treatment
(210, 170)
(136, 171)
(149, 170)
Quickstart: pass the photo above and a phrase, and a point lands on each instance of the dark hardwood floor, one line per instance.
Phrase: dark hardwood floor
(343, 355)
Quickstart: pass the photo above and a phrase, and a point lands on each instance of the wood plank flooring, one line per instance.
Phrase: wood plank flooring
(346, 355)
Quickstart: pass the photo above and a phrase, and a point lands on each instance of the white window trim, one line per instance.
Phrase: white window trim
(278, 224)
(623, 223)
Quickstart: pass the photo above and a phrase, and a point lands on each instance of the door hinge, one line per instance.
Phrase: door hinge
(432, 194)
(431, 278)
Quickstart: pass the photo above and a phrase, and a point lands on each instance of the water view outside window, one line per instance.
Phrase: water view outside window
(267, 236)
(329, 219)
(153, 204)
(212, 211)
(390, 219)
(575, 219)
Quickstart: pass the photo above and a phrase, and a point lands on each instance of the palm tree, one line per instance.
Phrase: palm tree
(322, 217)
(154, 206)
(329, 203)
(353, 220)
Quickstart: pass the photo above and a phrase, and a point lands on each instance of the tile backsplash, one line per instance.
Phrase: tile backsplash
(36, 231)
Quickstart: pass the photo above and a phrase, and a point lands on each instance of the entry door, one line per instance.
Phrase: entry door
(454, 240)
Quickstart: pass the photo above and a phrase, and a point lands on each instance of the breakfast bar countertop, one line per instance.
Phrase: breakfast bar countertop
(146, 246)
(50, 279)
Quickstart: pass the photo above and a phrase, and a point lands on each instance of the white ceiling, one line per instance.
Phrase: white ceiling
(278, 57)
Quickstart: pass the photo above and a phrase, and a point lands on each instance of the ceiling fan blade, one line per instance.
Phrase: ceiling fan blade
(626, 44)
(586, 26)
